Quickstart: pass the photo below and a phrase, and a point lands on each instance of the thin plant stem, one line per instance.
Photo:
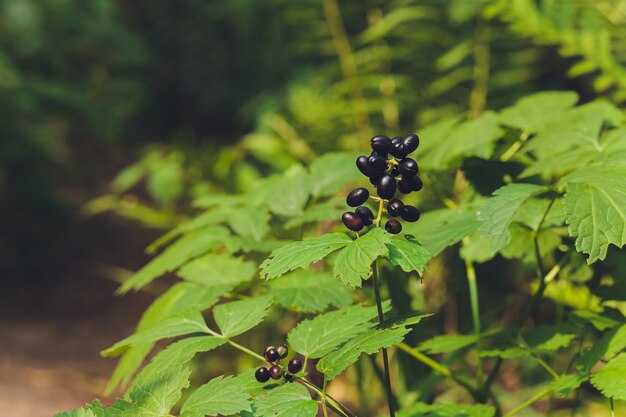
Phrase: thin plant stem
(324, 410)
(473, 290)
(381, 318)
(528, 402)
(612, 407)
(478, 95)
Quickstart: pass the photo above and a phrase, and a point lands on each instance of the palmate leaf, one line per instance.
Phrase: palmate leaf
(595, 205)
(190, 321)
(217, 269)
(301, 254)
(354, 262)
(319, 336)
(331, 172)
(181, 251)
(288, 400)
(447, 410)
(238, 317)
(219, 396)
(610, 379)
(310, 291)
(333, 364)
(530, 113)
(498, 211)
(407, 253)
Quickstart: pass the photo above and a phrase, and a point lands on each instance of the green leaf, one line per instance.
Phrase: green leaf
(407, 253)
(522, 244)
(565, 384)
(595, 203)
(331, 172)
(77, 412)
(448, 410)
(223, 396)
(370, 342)
(498, 212)
(309, 291)
(354, 262)
(540, 338)
(610, 379)
(284, 194)
(251, 222)
(447, 343)
(408, 319)
(238, 317)
(181, 251)
(319, 336)
(301, 254)
(153, 395)
(190, 321)
(530, 113)
(617, 343)
(214, 269)
(328, 210)
(438, 229)
(288, 400)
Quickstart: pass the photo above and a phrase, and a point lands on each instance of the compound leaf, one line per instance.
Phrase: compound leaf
(354, 262)
(407, 253)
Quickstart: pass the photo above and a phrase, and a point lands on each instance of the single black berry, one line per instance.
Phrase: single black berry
(415, 183)
(262, 374)
(377, 163)
(393, 226)
(411, 142)
(397, 139)
(386, 187)
(381, 143)
(375, 177)
(394, 207)
(271, 355)
(365, 214)
(399, 150)
(275, 372)
(283, 350)
(288, 376)
(352, 221)
(357, 197)
(410, 213)
(361, 164)
(294, 366)
(408, 167)
(268, 348)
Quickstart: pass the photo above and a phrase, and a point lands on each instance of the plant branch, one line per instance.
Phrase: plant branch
(473, 290)
(381, 318)
(528, 402)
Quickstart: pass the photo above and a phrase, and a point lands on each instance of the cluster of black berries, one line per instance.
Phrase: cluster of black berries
(389, 170)
(273, 356)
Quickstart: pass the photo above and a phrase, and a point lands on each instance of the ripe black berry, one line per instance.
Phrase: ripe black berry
(408, 184)
(352, 221)
(410, 213)
(394, 207)
(393, 226)
(381, 143)
(283, 350)
(357, 197)
(275, 372)
(386, 187)
(365, 214)
(396, 140)
(403, 187)
(399, 150)
(411, 142)
(262, 374)
(408, 167)
(288, 376)
(377, 163)
(294, 366)
(375, 177)
(271, 355)
(361, 164)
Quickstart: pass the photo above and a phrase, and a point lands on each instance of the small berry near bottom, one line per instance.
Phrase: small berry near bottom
(389, 170)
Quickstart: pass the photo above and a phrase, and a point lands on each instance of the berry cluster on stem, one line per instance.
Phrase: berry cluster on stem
(273, 355)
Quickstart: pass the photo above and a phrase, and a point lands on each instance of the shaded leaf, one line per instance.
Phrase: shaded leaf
(218, 269)
(331, 172)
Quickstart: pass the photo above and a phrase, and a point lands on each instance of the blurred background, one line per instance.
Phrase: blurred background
(115, 114)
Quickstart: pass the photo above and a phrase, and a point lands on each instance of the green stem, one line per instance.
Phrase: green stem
(473, 290)
(528, 402)
(324, 410)
(478, 95)
(612, 407)
(381, 318)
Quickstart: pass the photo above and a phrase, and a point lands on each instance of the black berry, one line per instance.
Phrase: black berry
(411, 142)
(294, 366)
(361, 164)
(396, 140)
(352, 221)
(375, 177)
(381, 143)
(393, 226)
(399, 150)
(275, 372)
(262, 374)
(365, 214)
(410, 213)
(409, 184)
(386, 187)
(288, 376)
(408, 167)
(271, 355)
(283, 350)
(394, 207)
(377, 163)
(357, 197)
